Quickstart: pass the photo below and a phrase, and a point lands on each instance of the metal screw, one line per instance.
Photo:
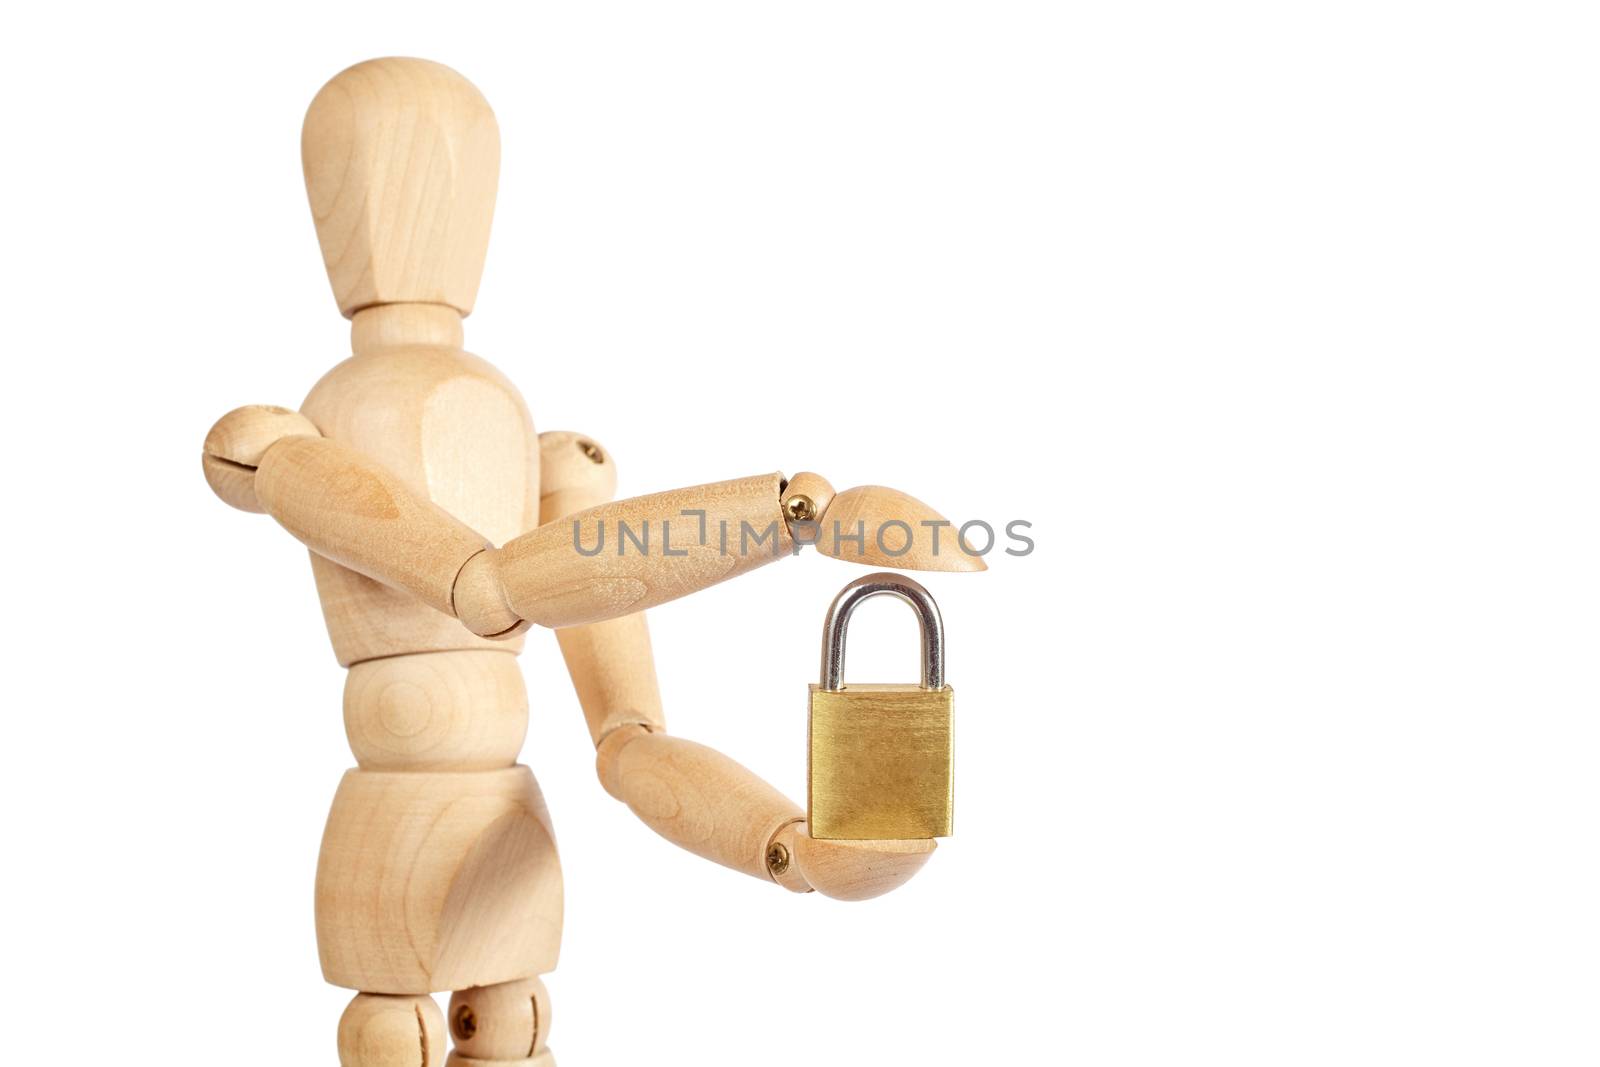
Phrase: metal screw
(800, 508)
(592, 450)
(464, 1023)
(777, 859)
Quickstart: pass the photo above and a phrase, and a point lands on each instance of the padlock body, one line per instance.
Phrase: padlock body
(880, 763)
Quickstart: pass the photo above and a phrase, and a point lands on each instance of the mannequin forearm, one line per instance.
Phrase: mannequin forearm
(625, 556)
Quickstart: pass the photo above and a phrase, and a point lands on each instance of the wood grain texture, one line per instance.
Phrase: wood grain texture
(611, 663)
(608, 748)
(457, 432)
(479, 601)
(233, 484)
(244, 434)
(858, 870)
(439, 881)
(405, 326)
(509, 1021)
(706, 803)
(647, 550)
(614, 673)
(349, 509)
(388, 1031)
(883, 527)
(463, 710)
(401, 160)
(235, 444)
(701, 800)
(575, 472)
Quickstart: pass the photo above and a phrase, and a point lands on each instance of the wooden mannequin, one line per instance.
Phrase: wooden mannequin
(407, 463)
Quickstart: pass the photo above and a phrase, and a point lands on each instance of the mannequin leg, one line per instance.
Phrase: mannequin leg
(503, 1025)
(391, 1031)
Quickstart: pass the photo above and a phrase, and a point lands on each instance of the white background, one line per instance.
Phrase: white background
(1277, 321)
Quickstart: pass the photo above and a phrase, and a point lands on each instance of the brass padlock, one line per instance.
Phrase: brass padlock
(880, 761)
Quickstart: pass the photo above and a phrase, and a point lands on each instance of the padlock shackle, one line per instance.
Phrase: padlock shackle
(896, 585)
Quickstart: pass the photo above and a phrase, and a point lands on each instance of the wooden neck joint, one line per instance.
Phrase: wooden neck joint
(397, 325)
